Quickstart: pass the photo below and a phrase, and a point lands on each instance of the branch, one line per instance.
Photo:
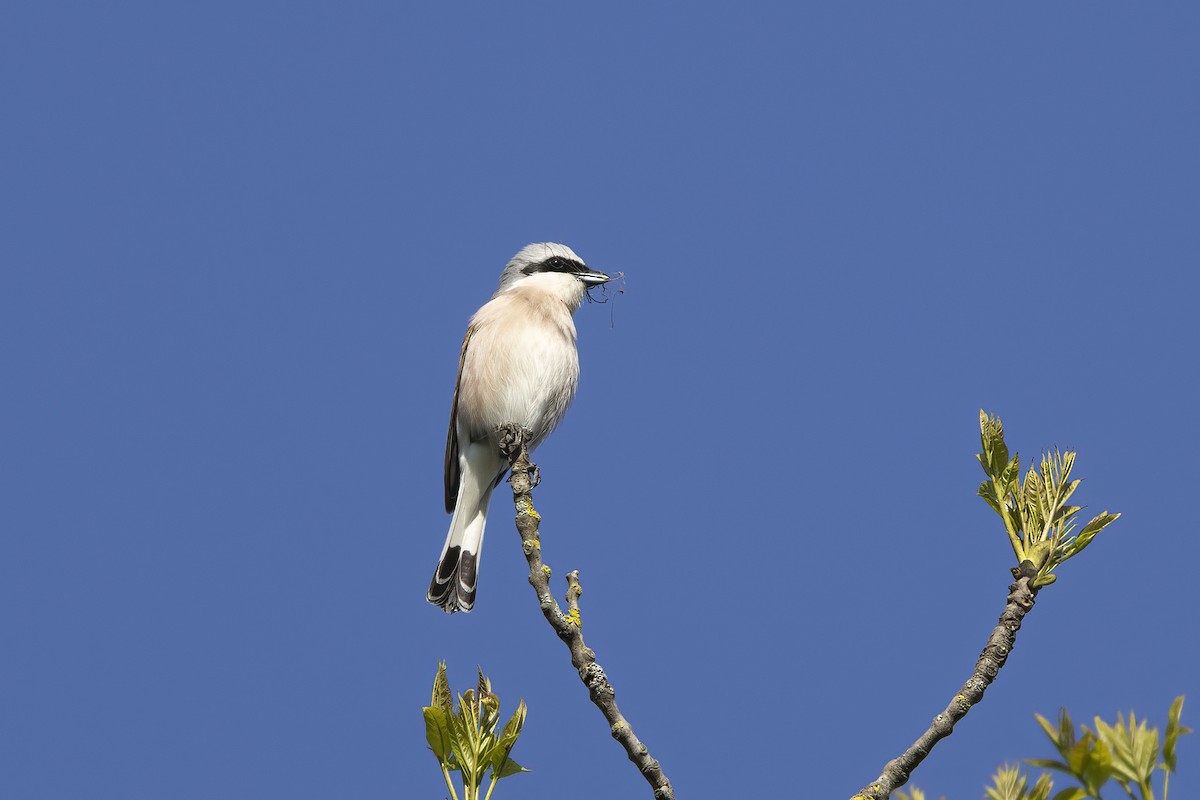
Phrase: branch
(1021, 596)
(567, 626)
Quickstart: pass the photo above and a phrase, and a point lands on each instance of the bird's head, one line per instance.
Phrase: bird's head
(554, 268)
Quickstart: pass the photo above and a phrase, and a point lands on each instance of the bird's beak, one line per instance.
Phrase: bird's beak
(593, 278)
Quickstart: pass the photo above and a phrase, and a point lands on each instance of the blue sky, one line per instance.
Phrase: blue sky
(240, 246)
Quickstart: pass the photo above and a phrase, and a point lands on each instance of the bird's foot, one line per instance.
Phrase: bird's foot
(512, 437)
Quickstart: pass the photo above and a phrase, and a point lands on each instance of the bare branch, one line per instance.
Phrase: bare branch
(568, 625)
(1021, 596)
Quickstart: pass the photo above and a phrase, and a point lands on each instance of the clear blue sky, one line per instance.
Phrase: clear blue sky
(240, 244)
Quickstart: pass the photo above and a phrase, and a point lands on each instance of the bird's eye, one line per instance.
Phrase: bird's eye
(557, 263)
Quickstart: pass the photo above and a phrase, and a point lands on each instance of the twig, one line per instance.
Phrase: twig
(567, 626)
(1021, 596)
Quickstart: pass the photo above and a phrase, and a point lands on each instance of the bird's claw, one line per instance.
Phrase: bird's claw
(511, 438)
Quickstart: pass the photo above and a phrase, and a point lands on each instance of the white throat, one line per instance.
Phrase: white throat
(565, 287)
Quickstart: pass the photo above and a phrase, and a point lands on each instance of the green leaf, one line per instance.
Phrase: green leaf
(1098, 523)
(1066, 731)
(1174, 731)
(465, 726)
(1068, 487)
(1062, 736)
(489, 702)
(1048, 728)
(510, 768)
(512, 729)
(1031, 507)
(1074, 793)
(1007, 784)
(441, 691)
(437, 733)
(988, 492)
(994, 455)
(1064, 513)
(489, 705)
(1096, 764)
(999, 450)
(1041, 790)
(498, 756)
(1145, 750)
(1012, 471)
(1134, 749)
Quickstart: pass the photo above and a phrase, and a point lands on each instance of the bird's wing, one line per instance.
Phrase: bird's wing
(452, 468)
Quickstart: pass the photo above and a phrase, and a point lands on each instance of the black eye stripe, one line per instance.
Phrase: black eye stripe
(555, 264)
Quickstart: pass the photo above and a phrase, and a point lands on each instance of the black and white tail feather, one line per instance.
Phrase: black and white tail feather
(457, 574)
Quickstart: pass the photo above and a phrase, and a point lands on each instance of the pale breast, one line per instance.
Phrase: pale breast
(520, 366)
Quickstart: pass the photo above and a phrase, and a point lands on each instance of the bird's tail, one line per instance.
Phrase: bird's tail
(454, 581)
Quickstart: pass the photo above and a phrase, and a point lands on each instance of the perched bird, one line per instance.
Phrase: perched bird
(518, 364)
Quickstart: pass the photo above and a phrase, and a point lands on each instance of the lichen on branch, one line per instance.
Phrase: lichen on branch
(569, 625)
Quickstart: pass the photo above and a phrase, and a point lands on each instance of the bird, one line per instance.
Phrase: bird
(518, 365)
